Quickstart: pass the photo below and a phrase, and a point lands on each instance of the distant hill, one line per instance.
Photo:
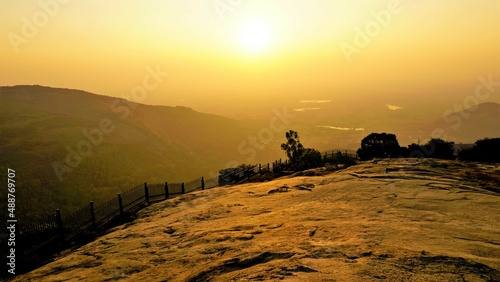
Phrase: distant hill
(69, 146)
(343, 124)
(471, 124)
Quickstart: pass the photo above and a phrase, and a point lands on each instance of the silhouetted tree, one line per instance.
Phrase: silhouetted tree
(435, 148)
(404, 152)
(439, 149)
(292, 147)
(484, 150)
(300, 158)
(416, 151)
(378, 145)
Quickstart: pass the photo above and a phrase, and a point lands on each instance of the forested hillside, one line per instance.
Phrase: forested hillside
(69, 146)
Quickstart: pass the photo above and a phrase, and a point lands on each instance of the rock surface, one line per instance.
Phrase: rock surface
(392, 220)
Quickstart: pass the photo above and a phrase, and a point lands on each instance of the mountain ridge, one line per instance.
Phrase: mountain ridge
(81, 143)
(471, 124)
(76, 143)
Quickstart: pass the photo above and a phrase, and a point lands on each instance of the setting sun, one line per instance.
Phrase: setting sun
(255, 35)
(118, 117)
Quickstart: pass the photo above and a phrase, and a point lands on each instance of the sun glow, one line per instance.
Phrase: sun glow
(255, 35)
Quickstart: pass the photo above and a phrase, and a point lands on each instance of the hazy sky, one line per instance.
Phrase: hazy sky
(223, 52)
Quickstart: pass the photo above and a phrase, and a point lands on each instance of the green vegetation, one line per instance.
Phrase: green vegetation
(293, 148)
(43, 128)
(300, 158)
(306, 158)
(383, 145)
(69, 147)
(485, 150)
(336, 159)
(311, 158)
(435, 148)
(378, 145)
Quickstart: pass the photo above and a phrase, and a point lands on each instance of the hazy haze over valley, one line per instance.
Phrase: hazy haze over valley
(423, 54)
(98, 97)
(242, 76)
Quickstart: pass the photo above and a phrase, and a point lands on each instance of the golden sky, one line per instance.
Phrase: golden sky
(217, 51)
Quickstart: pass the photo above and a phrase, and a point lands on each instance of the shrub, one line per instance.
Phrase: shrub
(300, 158)
(379, 145)
(484, 150)
(311, 158)
(435, 148)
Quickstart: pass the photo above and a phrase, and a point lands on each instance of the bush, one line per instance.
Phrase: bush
(379, 145)
(440, 149)
(337, 159)
(300, 158)
(310, 159)
(435, 148)
(484, 150)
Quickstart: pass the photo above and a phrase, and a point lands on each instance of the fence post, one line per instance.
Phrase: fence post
(146, 192)
(202, 183)
(166, 191)
(268, 167)
(120, 203)
(183, 189)
(59, 224)
(92, 214)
